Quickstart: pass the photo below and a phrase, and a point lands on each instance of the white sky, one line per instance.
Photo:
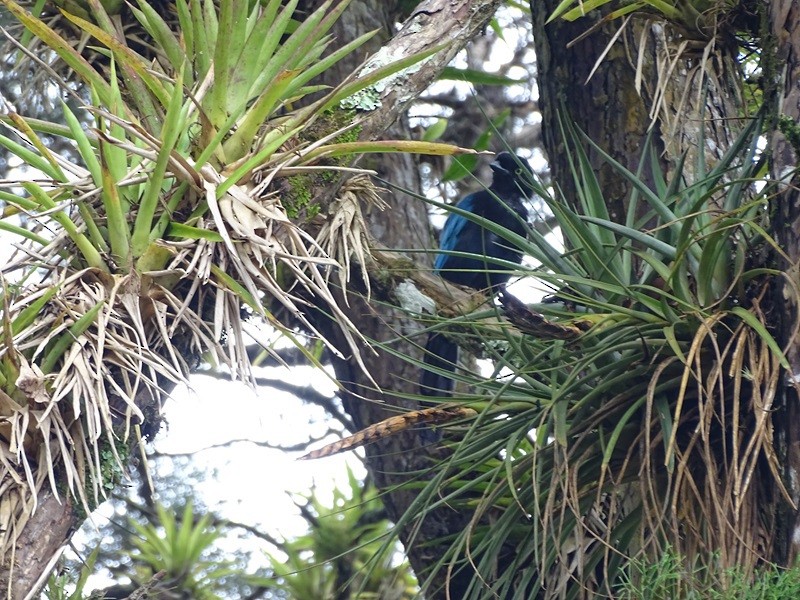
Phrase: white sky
(245, 482)
(259, 477)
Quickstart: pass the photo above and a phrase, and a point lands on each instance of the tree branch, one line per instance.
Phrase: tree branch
(434, 22)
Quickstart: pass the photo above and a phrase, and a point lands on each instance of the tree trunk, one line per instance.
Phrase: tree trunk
(685, 96)
(688, 97)
(606, 106)
(404, 224)
(784, 60)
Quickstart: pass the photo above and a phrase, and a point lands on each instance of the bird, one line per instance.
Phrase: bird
(502, 203)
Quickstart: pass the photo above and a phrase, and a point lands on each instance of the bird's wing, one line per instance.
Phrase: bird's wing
(455, 224)
(451, 237)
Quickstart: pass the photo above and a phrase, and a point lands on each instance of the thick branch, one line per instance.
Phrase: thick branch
(43, 536)
(434, 22)
(449, 24)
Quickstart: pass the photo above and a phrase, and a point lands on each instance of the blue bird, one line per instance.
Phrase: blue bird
(502, 204)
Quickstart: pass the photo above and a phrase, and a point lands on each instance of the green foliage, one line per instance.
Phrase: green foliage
(668, 578)
(462, 166)
(161, 552)
(57, 584)
(645, 389)
(478, 77)
(694, 19)
(175, 546)
(571, 10)
(343, 554)
(147, 122)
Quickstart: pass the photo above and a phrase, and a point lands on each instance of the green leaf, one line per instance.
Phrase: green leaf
(387, 146)
(560, 424)
(29, 157)
(85, 147)
(271, 142)
(23, 232)
(69, 337)
(45, 202)
(663, 249)
(435, 131)
(60, 46)
(268, 62)
(31, 312)
(477, 77)
(616, 434)
(171, 130)
(324, 64)
(584, 7)
(130, 61)
(461, 168)
(239, 143)
(672, 340)
(762, 332)
(163, 35)
(54, 170)
(186, 232)
(263, 38)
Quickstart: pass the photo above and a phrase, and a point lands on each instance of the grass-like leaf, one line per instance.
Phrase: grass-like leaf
(644, 411)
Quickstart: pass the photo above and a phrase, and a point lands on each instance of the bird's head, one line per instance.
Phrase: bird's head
(513, 169)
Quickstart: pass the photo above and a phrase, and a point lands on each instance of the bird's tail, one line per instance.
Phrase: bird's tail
(440, 354)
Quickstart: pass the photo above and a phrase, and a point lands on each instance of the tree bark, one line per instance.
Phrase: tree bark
(784, 60)
(404, 224)
(40, 541)
(684, 98)
(607, 106)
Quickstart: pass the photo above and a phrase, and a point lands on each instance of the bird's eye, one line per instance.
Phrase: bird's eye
(518, 172)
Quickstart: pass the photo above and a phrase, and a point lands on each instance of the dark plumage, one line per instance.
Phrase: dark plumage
(502, 204)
